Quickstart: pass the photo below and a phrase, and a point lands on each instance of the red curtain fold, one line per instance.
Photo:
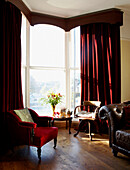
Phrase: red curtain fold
(10, 60)
(100, 63)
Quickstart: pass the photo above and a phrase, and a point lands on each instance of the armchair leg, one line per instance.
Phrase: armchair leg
(76, 133)
(114, 152)
(55, 142)
(39, 153)
(79, 128)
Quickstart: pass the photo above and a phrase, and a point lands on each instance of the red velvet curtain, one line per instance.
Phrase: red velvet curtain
(10, 58)
(100, 63)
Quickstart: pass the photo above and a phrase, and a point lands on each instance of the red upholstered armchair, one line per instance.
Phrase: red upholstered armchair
(36, 133)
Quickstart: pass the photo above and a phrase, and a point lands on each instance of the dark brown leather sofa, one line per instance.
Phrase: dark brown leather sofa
(118, 116)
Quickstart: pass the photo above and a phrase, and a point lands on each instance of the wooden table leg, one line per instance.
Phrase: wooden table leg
(70, 121)
(39, 153)
(52, 123)
(63, 119)
(66, 124)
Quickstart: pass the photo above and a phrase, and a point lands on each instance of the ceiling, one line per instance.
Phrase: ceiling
(71, 8)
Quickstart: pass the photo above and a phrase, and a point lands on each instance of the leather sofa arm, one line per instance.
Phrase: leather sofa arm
(113, 114)
(113, 121)
(103, 113)
(110, 112)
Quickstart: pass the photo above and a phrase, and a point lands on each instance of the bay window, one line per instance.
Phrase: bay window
(50, 63)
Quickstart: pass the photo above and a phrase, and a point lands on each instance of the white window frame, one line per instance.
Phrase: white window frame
(27, 67)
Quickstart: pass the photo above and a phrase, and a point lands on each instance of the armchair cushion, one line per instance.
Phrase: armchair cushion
(42, 135)
(24, 115)
(85, 114)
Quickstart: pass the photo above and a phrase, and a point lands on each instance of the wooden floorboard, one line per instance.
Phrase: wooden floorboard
(72, 153)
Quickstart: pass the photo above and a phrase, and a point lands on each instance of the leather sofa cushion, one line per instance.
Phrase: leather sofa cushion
(123, 139)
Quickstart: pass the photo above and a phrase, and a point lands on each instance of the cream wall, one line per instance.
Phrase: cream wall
(125, 57)
(125, 70)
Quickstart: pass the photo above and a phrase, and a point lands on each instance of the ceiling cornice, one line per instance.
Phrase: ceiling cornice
(112, 16)
(22, 7)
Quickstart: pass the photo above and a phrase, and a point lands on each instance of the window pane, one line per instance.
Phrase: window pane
(42, 82)
(23, 84)
(47, 46)
(75, 48)
(75, 88)
(23, 45)
(23, 40)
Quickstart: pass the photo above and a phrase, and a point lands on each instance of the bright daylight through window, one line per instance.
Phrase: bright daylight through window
(50, 63)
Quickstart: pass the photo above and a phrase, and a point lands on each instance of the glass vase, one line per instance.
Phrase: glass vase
(53, 110)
